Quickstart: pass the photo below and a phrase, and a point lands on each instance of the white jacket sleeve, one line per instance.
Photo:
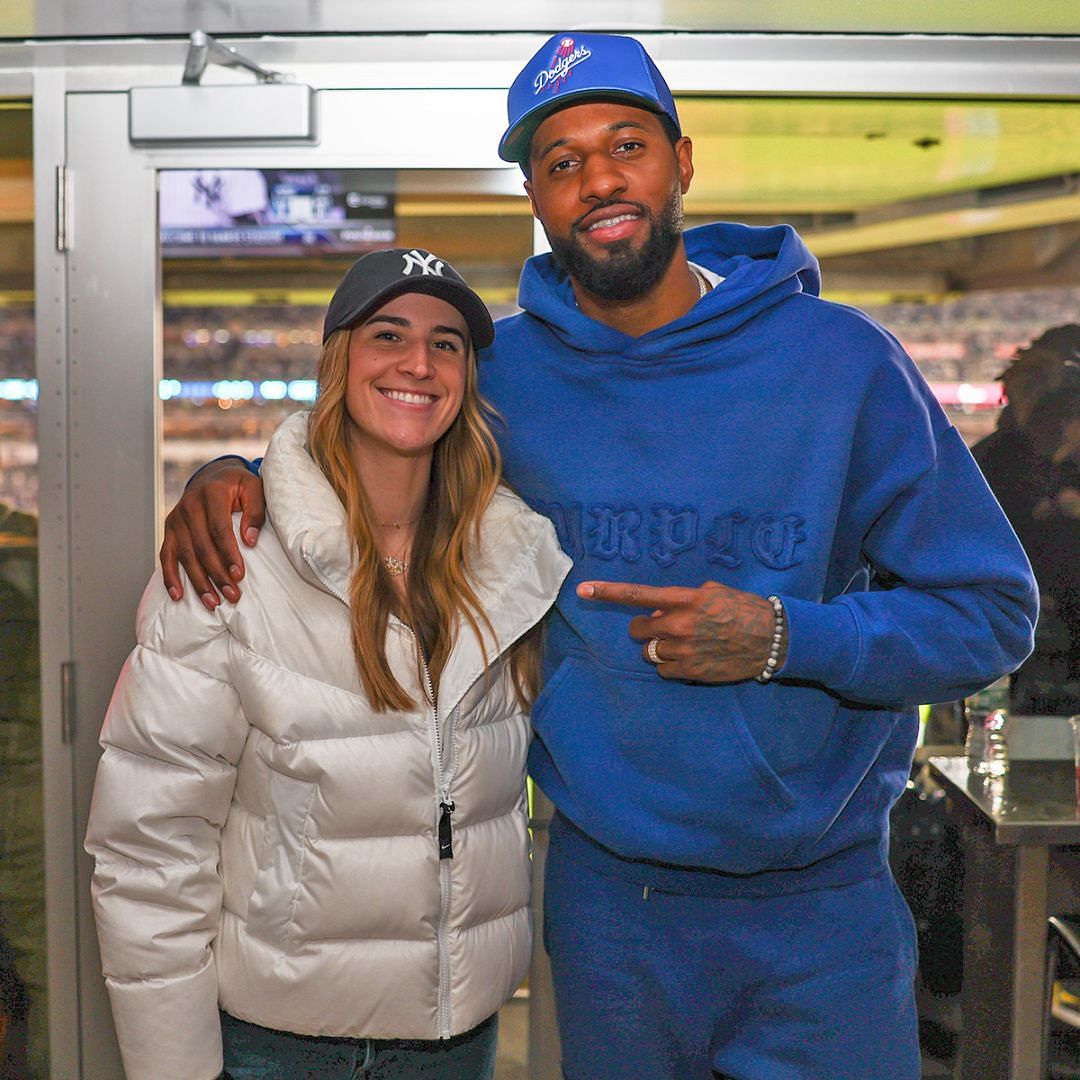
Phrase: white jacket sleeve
(172, 737)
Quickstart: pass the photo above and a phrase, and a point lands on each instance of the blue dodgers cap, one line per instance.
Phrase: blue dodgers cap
(572, 68)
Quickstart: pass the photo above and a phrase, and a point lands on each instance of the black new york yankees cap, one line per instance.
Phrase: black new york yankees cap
(379, 276)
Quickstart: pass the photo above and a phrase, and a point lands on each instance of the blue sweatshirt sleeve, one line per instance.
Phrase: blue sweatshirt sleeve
(960, 606)
(253, 466)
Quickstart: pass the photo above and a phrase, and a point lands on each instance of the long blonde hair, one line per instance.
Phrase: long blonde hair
(465, 472)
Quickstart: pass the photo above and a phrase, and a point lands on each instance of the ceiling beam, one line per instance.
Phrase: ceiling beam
(951, 217)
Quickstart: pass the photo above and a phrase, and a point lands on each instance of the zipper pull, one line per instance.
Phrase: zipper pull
(446, 836)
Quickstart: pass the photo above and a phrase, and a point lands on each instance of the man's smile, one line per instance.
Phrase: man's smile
(610, 222)
(608, 216)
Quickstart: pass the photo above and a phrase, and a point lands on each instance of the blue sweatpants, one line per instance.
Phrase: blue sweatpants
(807, 986)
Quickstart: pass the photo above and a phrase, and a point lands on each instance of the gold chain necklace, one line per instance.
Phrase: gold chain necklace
(395, 567)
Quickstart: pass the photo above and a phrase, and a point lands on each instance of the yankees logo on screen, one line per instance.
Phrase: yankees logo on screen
(423, 261)
(208, 192)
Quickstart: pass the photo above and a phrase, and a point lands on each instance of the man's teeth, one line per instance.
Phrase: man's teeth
(411, 399)
(605, 223)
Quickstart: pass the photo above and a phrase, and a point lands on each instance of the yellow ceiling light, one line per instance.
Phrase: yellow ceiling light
(915, 228)
(316, 298)
(412, 206)
(839, 155)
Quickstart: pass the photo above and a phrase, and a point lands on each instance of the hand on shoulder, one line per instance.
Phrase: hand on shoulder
(199, 533)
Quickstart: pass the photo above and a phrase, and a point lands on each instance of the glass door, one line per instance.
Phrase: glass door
(197, 281)
(249, 260)
(23, 1002)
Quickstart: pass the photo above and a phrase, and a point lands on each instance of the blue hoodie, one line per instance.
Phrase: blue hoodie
(776, 443)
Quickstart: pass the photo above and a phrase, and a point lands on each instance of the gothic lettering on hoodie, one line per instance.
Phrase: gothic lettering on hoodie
(673, 531)
(614, 533)
(567, 522)
(622, 531)
(774, 540)
(723, 538)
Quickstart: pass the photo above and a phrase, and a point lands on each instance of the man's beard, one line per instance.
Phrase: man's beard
(624, 273)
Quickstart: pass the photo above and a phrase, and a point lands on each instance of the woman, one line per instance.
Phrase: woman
(311, 808)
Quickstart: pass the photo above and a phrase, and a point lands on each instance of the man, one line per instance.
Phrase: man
(1032, 464)
(811, 552)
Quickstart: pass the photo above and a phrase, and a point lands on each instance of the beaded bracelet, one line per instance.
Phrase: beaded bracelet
(777, 641)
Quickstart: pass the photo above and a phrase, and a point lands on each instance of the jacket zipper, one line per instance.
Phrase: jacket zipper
(446, 808)
(446, 805)
(445, 838)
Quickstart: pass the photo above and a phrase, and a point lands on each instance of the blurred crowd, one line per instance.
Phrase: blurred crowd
(223, 343)
(17, 342)
(967, 339)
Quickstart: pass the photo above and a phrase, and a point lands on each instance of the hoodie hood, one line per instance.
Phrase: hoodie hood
(760, 266)
(781, 445)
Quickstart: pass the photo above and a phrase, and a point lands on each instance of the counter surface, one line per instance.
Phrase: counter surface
(1034, 803)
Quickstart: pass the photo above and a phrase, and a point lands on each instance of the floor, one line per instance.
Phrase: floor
(512, 1061)
(939, 1022)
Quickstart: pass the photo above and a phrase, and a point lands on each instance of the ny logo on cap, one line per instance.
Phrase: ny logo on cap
(426, 263)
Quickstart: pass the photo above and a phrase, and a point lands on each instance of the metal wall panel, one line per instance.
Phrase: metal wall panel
(721, 63)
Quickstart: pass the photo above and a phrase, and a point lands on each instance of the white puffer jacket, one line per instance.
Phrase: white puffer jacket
(263, 838)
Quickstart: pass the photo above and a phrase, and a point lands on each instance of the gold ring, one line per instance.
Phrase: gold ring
(651, 653)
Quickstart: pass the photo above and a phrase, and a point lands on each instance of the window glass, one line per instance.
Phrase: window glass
(23, 1035)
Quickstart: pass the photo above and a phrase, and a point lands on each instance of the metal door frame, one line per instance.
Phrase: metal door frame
(114, 364)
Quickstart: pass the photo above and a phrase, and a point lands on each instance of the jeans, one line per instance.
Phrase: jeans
(253, 1052)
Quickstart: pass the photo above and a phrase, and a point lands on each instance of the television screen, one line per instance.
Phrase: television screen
(272, 212)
